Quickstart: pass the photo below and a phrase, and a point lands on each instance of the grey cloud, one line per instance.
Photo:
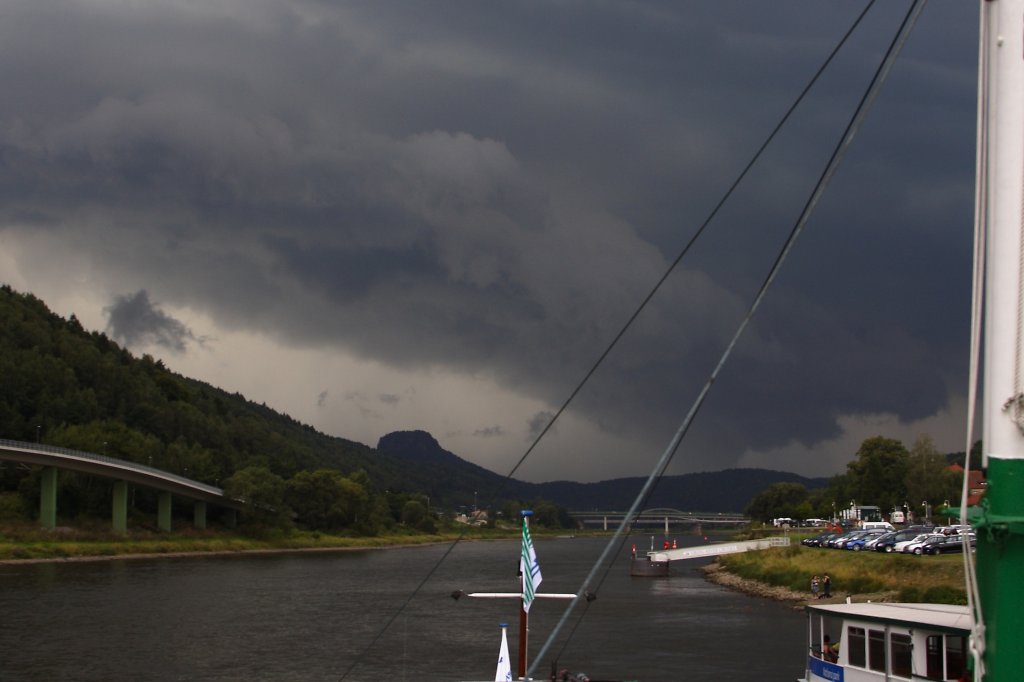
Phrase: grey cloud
(134, 321)
(438, 185)
(489, 432)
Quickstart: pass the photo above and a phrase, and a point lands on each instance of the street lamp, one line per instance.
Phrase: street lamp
(39, 429)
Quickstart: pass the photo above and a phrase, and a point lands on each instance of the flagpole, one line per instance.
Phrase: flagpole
(524, 614)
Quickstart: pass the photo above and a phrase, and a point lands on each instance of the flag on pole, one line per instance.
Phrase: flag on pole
(504, 671)
(529, 567)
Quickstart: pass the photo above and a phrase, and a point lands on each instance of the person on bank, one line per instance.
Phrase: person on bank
(826, 585)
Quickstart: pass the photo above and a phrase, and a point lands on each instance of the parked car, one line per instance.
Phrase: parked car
(872, 543)
(948, 544)
(844, 543)
(889, 541)
(816, 540)
(915, 546)
(902, 545)
(858, 543)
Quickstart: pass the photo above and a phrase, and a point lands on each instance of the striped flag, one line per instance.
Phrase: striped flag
(529, 567)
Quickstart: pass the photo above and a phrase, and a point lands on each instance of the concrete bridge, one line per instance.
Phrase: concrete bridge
(123, 472)
(661, 516)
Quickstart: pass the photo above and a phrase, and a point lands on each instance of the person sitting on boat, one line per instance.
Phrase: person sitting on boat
(830, 651)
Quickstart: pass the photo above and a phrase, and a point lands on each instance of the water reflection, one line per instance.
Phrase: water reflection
(311, 616)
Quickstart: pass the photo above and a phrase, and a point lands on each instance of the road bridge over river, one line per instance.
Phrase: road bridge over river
(661, 516)
(123, 472)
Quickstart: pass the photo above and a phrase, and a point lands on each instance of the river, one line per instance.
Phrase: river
(313, 616)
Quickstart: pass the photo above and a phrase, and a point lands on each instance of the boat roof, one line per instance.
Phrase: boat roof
(943, 617)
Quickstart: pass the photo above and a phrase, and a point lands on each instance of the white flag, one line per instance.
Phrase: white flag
(530, 569)
(504, 671)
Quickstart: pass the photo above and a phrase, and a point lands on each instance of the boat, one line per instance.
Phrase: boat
(882, 641)
(979, 641)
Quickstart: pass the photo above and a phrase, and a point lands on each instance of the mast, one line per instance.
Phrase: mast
(1000, 551)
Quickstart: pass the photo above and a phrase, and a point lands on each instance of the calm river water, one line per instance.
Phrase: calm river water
(311, 616)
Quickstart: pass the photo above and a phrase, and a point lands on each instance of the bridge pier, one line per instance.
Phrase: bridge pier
(48, 498)
(119, 511)
(163, 511)
(606, 523)
(199, 515)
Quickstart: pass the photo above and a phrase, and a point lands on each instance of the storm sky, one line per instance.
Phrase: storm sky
(395, 215)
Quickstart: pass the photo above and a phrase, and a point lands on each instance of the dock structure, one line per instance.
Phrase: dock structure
(719, 548)
(655, 564)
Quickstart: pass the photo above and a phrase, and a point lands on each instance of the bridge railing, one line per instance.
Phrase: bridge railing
(68, 452)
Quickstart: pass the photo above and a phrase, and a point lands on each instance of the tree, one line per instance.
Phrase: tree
(878, 475)
(263, 493)
(928, 478)
(413, 512)
(778, 500)
(326, 500)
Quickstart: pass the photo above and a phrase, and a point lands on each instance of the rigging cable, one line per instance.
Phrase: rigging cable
(851, 130)
(632, 318)
(976, 643)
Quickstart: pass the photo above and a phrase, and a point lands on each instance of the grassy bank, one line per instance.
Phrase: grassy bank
(26, 541)
(902, 577)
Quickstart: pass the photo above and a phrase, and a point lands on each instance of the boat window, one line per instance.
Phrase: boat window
(900, 651)
(855, 641)
(876, 650)
(933, 657)
(955, 651)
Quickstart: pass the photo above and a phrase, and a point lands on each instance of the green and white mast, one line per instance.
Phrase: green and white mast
(1000, 213)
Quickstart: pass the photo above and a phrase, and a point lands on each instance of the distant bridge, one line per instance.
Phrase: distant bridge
(123, 472)
(661, 516)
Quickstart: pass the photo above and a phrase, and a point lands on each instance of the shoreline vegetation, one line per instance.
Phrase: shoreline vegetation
(25, 544)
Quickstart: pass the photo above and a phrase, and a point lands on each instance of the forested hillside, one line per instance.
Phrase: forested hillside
(65, 386)
(62, 385)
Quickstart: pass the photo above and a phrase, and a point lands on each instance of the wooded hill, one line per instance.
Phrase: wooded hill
(74, 388)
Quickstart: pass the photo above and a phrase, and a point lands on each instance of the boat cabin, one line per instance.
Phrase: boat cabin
(886, 641)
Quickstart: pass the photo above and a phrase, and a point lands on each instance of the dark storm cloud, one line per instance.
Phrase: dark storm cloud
(134, 320)
(496, 188)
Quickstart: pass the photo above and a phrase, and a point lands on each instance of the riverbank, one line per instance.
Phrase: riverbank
(785, 574)
(718, 574)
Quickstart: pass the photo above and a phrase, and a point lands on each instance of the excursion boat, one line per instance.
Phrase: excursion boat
(885, 641)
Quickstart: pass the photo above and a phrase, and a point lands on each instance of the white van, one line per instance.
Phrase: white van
(871, 525)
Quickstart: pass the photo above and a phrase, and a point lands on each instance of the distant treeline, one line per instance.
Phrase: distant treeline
(883, 473)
